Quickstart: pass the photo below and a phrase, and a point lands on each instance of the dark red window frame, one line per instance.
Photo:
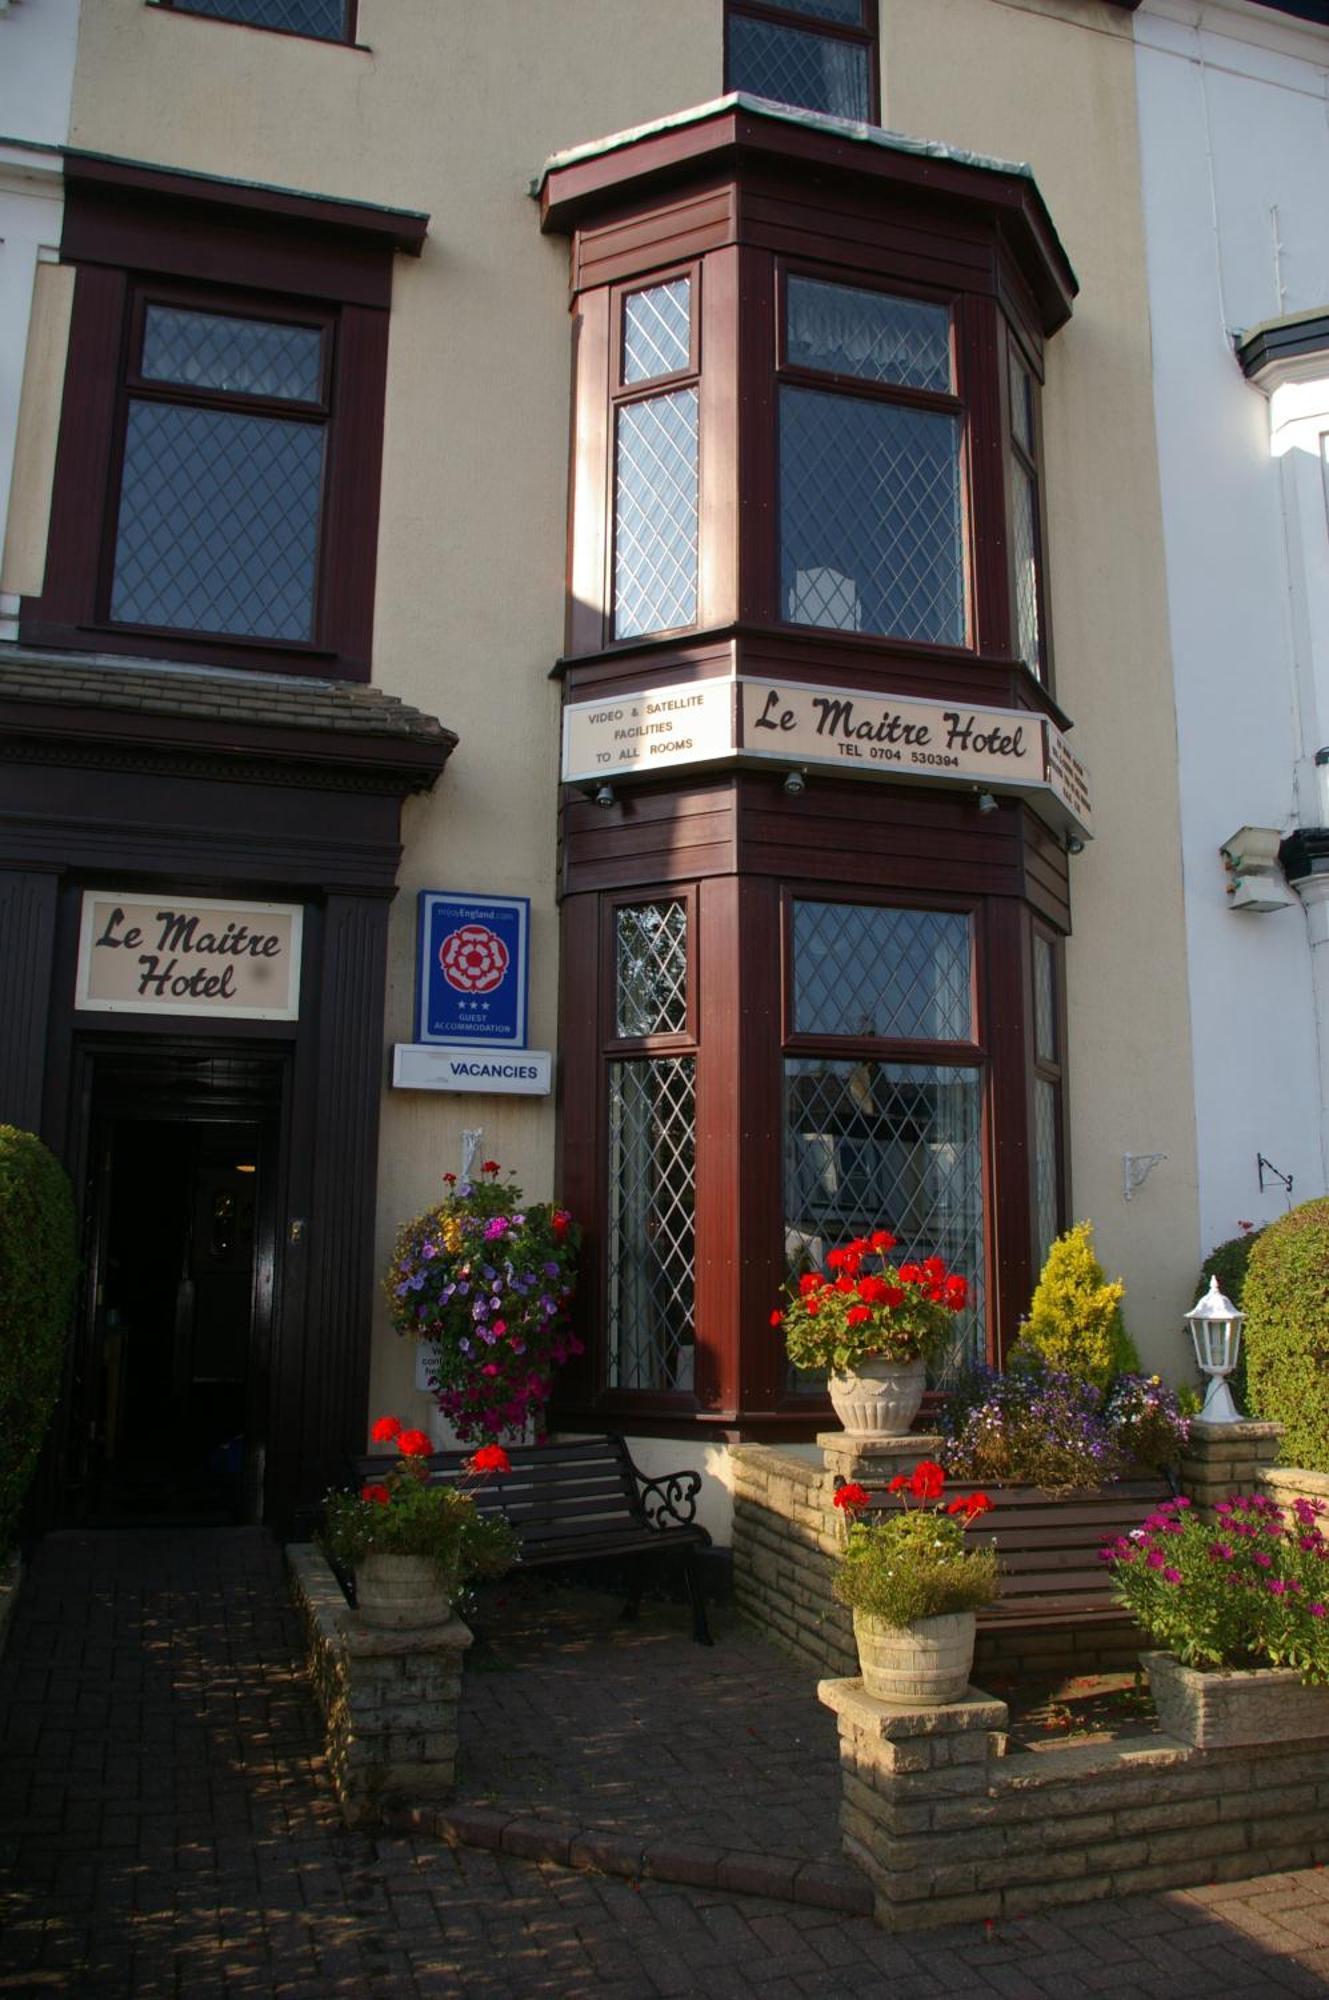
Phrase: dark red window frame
(345, 40)
(138, 233)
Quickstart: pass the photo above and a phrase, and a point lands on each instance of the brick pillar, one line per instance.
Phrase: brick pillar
(1227, 1458)
(915, 1804)
(389, 1698)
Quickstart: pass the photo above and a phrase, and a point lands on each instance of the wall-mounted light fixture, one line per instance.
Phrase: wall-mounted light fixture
(604, 796)
(986, 803)
(1074, 844)
(1255, 879)
(795, 784)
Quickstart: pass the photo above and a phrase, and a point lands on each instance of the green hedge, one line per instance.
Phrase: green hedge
(1286, 1301)
(38, 1260)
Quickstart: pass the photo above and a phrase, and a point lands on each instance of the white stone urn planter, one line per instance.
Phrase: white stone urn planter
(1223, 1710)
(403, 1593)
(879, 1398)
(917, 1665)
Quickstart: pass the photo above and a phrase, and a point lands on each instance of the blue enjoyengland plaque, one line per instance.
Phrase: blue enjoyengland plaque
(471, 984)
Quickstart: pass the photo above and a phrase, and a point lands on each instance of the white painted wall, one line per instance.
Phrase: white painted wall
(1234, 134)
(38, 41)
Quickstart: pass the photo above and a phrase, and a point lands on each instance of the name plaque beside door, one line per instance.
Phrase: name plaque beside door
(188, 955)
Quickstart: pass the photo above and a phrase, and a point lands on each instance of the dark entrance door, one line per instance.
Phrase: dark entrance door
(173, 1361)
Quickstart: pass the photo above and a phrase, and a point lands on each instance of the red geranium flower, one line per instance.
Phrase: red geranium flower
(898, 1484)
(386, 1429)
(490, 1458)
(934, 1269)
(376, 1492)
(851, 1497)
(881, 1239)
(450, 1180)
(971, 1505)
(911, 1274)
(811, 1281)
(414, 1444)
(927, 1479)
(777, 1319)
(894, 1296)
(857, 1314)
(490, 1167)
(873, 1290)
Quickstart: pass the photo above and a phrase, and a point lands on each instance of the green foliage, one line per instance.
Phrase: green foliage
(416, 1519)
(38, 1262)
(1247, 1589)
(1075, 1325)
(1227, 1262)
(915, 1565)
(1286, 1301)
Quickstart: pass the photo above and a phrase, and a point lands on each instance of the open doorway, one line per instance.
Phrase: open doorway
(180, 1281)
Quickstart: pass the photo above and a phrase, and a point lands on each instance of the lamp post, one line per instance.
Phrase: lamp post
(1215, 1326)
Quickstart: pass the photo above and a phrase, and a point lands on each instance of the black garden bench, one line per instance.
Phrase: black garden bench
(575, 1501)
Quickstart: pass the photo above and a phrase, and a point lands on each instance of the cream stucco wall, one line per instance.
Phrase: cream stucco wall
(1051, 82)
(451, 109)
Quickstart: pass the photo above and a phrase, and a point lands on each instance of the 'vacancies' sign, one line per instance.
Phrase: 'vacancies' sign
(188, 955)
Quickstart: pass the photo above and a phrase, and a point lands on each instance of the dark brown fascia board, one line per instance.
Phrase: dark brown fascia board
(403, 764)
(738, 133)
(400, 229)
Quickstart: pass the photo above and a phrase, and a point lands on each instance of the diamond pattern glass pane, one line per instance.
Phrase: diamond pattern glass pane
(249, 357)
(657, 326)
(1045, 1167)
(652, 1182)
(853, 332)
(324, 19)
(1045, 1011)
(848, 11)
(887, 1144)
(652, 969)
(655, 519)
(219, 520)
(863, 970)
(817, 72)
(870, 520)
(1024, 555)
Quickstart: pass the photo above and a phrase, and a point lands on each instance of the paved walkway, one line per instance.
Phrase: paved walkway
(166, 1828)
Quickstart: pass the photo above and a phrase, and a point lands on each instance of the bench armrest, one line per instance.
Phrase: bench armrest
(670, 1500)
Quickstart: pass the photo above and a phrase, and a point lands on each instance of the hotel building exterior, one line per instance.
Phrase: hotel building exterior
(676, 468)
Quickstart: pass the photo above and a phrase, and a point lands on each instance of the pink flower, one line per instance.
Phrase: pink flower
(1265, 1561)
(1317, 1610)
(1172, 1576)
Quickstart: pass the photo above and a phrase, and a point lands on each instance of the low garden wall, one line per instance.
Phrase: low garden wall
(950, 1829)
(389, 1698)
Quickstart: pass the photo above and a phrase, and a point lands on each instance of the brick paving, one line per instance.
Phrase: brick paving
(166, 1828)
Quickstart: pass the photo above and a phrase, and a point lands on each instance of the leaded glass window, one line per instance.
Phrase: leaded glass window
(323, 20)
(652, 1203)
(657, 331)
(793, 65)
(895, 975)
(651, 969)
(1047, 1106)
(655, 515)
(844, 330)
(871, 529)
(871, 1144)
(1025, 542)
(221, 487)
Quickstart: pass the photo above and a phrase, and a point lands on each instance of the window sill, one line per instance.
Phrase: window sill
(240, 655)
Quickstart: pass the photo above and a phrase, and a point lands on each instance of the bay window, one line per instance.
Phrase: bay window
(817, 54)
(797, 1003)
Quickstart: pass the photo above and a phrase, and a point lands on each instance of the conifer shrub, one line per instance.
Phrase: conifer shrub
(1075, 1325)
(1286, 1301)
(38, 1260)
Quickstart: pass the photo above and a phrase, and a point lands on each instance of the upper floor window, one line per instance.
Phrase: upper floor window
(871, 432)
(218, 527)
(656, 461)
(217, 473)
(817, 54)
(319, 20)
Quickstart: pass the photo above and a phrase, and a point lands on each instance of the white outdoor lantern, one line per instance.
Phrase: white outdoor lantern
(1215, 1326)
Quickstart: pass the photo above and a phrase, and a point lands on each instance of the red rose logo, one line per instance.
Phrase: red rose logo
(474, 959)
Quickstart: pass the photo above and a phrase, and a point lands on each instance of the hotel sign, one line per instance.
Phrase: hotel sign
(857, 732)
(188, 955)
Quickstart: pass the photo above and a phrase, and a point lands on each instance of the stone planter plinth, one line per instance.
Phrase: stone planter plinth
(1228, 1711)
(875, 1460)
(1227, 1458)
(389, 1696)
